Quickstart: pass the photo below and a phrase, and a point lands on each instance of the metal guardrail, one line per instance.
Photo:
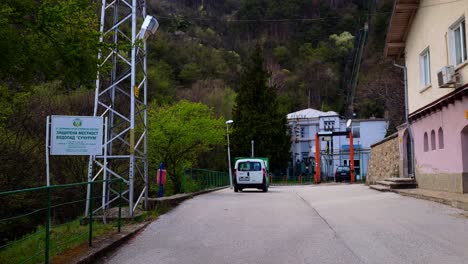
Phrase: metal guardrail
(47, 230)
(200, 179)
(291, 180)
(303, 180)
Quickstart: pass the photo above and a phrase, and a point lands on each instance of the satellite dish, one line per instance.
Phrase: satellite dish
(348, 123)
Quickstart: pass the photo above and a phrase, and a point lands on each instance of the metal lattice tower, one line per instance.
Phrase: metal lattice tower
(121, 97)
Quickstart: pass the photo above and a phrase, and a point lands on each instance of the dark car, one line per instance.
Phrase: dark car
(342, 173)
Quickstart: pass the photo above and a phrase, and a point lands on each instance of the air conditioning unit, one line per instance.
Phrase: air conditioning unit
(447, 77)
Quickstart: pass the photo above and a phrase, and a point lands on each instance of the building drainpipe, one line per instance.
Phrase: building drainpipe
(408, 124)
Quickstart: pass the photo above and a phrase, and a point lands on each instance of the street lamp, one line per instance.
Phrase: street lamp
(229, 152)
(149, 27)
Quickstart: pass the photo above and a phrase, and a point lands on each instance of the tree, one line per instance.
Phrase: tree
(344, 42)
(178, 133)
(214, 93)
(48, 40)
(190, 73)
(161, 83)
(257, 117)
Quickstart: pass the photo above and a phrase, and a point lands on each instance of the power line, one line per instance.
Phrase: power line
(287, 19)
(259, 20)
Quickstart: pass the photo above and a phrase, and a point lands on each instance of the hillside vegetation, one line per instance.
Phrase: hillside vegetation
(310, 49)
(48, 66)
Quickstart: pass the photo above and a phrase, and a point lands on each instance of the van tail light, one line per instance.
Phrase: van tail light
(235, 172)
(264, 173)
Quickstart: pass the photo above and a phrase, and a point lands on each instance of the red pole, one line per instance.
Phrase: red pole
(351, 155)
(317, 159)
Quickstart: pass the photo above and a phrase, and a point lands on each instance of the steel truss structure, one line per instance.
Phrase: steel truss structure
(121, 96)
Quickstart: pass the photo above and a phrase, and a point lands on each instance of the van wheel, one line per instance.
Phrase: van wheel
(235, 188)
(264, 187)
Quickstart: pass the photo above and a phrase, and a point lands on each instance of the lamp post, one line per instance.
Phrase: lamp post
(229, 152)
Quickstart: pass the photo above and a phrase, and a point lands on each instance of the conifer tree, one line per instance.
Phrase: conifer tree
(257, 117)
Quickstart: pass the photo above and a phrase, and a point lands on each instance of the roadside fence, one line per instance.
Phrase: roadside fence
(39, 223)
(291, 180)
(200, 179)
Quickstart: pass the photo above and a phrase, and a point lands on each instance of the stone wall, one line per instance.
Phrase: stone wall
(384, 160)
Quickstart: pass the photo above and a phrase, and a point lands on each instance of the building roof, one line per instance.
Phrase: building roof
(399, 26)
(310, 113)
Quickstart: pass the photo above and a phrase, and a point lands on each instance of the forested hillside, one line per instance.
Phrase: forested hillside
(48, 66)
(311, 50)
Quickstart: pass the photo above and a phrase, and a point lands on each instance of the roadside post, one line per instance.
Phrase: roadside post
(161, 178)
(351, 157)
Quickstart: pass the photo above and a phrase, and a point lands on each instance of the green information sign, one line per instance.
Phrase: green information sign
(76, 135)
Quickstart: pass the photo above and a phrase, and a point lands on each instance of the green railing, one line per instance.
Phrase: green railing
(291, 180)
(38, 223)
(304, 179)
(200, 179)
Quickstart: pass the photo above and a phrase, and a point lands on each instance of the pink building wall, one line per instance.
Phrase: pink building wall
(452, 119)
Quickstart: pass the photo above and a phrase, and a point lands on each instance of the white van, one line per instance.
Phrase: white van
(251, 173)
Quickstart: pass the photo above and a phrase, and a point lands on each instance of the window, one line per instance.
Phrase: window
(357, 167)
(357, 163)
(441, 138)
(297, 131)
(356, 131)
(426, 142)
(342, 168)
(425, 68)
(329, 125)
(250, 166)
(458, 42)
(433, 139)
(304, 132)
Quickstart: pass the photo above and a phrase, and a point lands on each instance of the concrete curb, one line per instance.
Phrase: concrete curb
(447, 201)
(110, 243)
(177, 198)
(107, 244)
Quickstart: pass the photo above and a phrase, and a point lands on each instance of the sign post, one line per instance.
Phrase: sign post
(47, 150)
(74, 136)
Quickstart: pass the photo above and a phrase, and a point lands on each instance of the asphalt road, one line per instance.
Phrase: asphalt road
(302, 224)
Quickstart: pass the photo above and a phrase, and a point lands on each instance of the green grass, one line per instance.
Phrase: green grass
(30, 249)
(155, 213)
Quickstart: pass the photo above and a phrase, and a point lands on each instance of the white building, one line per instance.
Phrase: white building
(305, 124)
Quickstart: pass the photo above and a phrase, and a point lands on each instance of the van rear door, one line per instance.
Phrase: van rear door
(250, 172)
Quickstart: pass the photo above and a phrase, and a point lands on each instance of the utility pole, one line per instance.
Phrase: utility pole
(252, 148)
